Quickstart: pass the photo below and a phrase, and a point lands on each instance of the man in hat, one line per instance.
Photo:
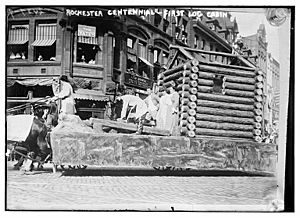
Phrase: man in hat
(66, 95)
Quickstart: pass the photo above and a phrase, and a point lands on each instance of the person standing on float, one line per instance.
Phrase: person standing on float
(66, 96)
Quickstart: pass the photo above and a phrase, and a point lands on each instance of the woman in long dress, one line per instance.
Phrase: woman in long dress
(164, 114)
(175, 113)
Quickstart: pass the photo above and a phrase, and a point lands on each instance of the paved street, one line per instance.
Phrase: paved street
(98, 189)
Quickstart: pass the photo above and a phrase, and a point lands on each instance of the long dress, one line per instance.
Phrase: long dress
(66, 94)
(164, 114)
(175, 113)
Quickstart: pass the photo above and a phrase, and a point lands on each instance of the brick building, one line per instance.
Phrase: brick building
(99, 47)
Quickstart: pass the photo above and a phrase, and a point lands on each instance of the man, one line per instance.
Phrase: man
(132, 101)
(66, 95)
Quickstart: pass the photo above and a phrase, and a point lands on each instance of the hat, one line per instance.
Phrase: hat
(64, 78)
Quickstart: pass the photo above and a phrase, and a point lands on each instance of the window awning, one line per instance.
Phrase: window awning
(17, 42)
(43, 42)
(30, 81)
(131, 57)
(146, 62)
(87, 94)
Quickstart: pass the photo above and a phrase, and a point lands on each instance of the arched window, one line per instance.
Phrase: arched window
(137, 55)
(161, 55)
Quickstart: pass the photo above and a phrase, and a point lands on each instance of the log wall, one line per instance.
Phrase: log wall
(233, 109)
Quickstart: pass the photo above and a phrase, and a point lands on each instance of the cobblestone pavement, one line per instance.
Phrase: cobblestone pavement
(44, 190)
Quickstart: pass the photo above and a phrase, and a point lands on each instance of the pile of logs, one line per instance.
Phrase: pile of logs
(235, 113)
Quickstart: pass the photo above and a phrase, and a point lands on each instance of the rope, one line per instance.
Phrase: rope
(23, 106)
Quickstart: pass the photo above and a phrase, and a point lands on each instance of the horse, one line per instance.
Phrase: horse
(35, 146)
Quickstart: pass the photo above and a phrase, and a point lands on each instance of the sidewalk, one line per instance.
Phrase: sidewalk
(44, 190)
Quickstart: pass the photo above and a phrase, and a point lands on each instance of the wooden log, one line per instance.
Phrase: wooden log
(191, 119)
(257, 125)
(224, 98)
(216, 118)
(226, 133)
(129, 127)
(258, 118)
(216, 104)
(258, 111)
(228, 85)
(183, 80)
(228, 92)
(259, 78)
(258, 91)
(192, 112)
(194, 91)
(191, 126)
(220, 112)
(224, 71)
(186, 121)
(259, 72)
(257, 132)
(195, 62)
(160, 82)
(184, 101)
(259, 85)
(192, 105)
(225, 112)
(234, 79)
(177, 69)
(174, 76)
(168, 84)
(193, 83)
(224, 126)
(258, 105)
(187, 132)
(185, 94)
(193, 76)
(186, 87)
(194, 69)
(257, 139)
(258, 98)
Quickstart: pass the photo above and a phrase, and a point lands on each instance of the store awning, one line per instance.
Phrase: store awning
(17, 42)
(93, 95)
(43, 42)
(146, 62)
(131, 57)
(30, 81)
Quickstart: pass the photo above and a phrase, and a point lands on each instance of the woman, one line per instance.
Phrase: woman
(66, 95)
(175, 107)
(164, 113)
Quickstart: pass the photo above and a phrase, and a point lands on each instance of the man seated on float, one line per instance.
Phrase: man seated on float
(131, 102)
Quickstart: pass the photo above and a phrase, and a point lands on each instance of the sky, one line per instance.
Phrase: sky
(248, 24)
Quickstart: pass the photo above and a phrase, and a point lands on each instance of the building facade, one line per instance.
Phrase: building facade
(274, 77)
(100, 47)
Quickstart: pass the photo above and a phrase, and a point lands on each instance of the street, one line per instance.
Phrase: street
(105, 190)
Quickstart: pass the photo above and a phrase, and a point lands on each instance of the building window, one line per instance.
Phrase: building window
(44, 44)
(130, 43)
(137, 62)
(196, 39)
(18, 41)
(87, 44)
(203, 44)
(165, 56)
(211, 47)
(142, 49)
(156, 53)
